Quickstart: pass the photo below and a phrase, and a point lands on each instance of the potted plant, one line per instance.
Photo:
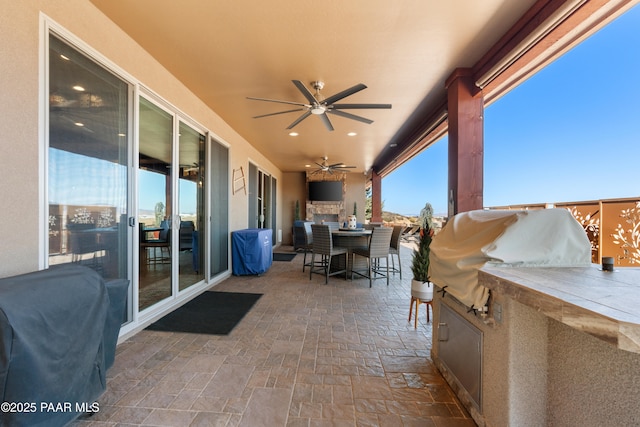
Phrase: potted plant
(421, 287)
(296, 214)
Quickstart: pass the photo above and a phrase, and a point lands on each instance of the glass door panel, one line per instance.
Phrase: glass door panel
(191, 206)
(154, 204)
(253, 196)
(273, 209)
(87, 164)
(219, 236)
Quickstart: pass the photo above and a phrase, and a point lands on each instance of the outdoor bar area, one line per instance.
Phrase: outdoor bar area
(527, 330)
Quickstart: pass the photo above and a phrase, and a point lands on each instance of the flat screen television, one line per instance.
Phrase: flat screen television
(325, 191)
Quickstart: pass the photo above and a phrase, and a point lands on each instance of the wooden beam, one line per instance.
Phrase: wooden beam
(376, 197)
(466, 142)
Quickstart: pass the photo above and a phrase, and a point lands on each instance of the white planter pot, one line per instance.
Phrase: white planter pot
(422, 290)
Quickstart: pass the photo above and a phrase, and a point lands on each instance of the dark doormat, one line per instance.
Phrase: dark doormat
(213, 313)
(283, 257)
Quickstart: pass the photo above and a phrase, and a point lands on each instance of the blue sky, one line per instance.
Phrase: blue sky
(152, 191)
(569, 133)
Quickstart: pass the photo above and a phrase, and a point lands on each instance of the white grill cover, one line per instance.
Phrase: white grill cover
(471, 240)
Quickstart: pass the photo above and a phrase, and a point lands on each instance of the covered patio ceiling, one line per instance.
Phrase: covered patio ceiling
(227, 51)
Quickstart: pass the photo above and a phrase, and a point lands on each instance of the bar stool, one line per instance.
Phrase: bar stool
(394, 249)
(323, 247)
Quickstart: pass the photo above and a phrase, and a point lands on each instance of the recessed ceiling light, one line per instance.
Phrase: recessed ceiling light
(293, 133)
(351, 134)
(79, 88)
(66, 58)
(79, 124)
(307, 166)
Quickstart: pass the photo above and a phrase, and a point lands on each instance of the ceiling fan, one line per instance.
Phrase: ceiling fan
(320, 106)
(326, 167)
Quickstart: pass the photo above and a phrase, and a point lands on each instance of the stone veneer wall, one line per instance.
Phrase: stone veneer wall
(327, 208)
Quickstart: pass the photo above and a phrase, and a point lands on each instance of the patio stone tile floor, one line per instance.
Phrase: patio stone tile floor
(306, 355)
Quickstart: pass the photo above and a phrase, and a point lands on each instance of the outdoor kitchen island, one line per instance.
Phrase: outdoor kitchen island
(558, 346)
(528, 331)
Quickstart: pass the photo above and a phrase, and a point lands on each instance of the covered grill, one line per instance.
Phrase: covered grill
(526, 238)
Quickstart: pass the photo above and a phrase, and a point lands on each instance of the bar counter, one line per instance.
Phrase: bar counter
(558, 346)
(601, 303)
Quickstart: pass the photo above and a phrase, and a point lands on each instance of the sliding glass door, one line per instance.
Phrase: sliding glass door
(191, 206)
(131, 205)
(155, 201)
(88, 182)
(170, 204)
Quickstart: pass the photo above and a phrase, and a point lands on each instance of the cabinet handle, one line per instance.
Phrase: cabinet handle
(443, 332)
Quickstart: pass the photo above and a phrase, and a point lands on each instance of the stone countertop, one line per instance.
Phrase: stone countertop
(601, 303)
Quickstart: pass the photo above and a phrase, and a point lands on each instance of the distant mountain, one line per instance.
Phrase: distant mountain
(399, 218)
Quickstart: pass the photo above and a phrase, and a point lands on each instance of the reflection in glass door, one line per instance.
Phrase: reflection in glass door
(87, 164)
(191, 206)
(154, 204)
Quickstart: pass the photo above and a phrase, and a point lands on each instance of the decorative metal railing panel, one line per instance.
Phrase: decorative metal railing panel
(612, 226)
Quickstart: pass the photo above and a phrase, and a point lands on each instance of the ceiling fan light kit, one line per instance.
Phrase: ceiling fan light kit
(320, 106)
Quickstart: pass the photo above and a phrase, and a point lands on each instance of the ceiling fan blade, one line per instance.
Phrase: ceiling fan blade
(279, 102)
(350, 116)
(326, 121)
(338, 96)
(307, 94)
(360, 106)
(299, 119)
(279, 112)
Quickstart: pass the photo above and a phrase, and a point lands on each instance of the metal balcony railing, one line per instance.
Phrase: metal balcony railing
(612, 226)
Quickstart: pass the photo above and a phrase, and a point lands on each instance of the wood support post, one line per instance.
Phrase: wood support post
(376, 197)
(466, 143)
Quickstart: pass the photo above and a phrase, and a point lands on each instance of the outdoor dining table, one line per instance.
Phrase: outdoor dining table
(350, 239)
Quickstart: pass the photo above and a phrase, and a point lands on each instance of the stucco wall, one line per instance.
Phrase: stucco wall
(594, 384)
(20, 171)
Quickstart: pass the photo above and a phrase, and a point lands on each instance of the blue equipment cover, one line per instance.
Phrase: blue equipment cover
(251, 252)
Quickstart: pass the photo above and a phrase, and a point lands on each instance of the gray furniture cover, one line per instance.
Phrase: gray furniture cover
(501, 238)
(58, 332)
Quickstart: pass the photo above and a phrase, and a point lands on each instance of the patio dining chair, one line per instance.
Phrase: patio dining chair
(307, 245)
(394, 248)
(379, 245)
(333, 225)
(323, 247)
(372, 225)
